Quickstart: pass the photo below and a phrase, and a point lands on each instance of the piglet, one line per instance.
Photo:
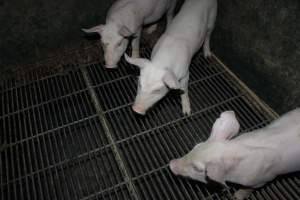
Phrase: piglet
(251, 159)
(125, 18)
(172, 54)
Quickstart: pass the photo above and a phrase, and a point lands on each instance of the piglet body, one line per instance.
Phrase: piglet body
(251, 159)
(172, 54)
(125, 18)
(282, 137)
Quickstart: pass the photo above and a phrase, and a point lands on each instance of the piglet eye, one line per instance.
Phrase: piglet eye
(197, 169)
(139, 85)
(119, 43)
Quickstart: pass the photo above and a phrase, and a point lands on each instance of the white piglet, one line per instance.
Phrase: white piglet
(251, 159)
(172, 54)
(125, 18)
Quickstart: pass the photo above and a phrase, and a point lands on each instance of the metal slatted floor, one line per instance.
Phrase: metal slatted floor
(73, 135)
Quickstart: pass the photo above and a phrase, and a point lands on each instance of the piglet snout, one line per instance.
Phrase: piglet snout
(110, 61)
(138, 109)
(111, 66)
(174, 166)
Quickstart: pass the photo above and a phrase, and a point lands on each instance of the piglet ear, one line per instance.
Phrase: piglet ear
(125, 32)
(170, 80)
(225, 127)
(96, 29)
(140, 62)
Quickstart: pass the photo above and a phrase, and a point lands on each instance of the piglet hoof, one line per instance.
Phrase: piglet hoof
(186, 109)
(111, 66)
(242, 194)
(207, 54)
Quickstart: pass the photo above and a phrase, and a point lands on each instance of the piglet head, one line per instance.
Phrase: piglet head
(114, 40)
(207, 159)
(189, 166)
(153, 84)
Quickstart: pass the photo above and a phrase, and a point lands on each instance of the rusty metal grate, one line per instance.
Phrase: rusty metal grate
(72, 135)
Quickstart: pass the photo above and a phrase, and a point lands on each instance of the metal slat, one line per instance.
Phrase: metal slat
(73, 135)
(104, 123)
(52, 89)
(47, 145)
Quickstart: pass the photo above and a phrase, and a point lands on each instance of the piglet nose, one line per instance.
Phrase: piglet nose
(138, 109)
(111, 66)
(174, 166)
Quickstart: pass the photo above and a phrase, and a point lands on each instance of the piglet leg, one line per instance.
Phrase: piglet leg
(206, 45)
(135, 44)
(185, 100)
(210, 27)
